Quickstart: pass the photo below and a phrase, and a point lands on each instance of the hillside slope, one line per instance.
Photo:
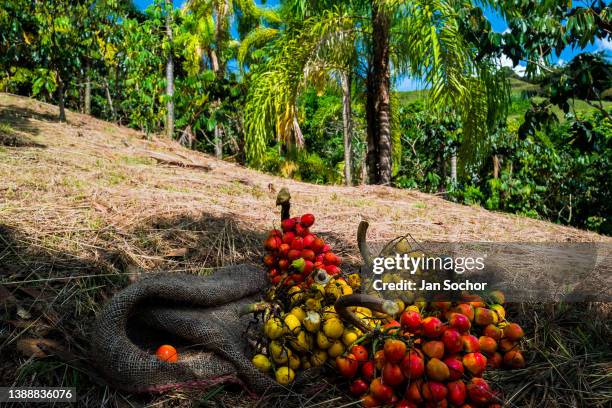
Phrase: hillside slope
(92, 174)
(87, 206)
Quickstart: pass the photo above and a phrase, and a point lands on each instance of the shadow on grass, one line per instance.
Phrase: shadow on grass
(15, 121)
(52, 295)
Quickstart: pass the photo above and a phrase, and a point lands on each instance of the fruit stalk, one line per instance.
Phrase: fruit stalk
(254, 308)
(363, 246)
(283, 199)
(368, 301)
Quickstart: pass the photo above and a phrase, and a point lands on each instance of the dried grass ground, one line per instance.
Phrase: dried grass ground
(86, 206)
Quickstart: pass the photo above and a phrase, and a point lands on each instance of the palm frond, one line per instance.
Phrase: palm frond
(255, 39)
(431, 47)
(304, 55)
(249, 8)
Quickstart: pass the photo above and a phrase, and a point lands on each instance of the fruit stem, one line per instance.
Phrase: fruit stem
(254, 308)
(363, 246)
(358, 299)
(283, 199)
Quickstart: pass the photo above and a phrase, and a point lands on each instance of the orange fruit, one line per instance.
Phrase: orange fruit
(167, 353)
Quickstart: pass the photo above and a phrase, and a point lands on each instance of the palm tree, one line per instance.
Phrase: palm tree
(320, 52)
(419, 38)
(169, 71)
(212, 35)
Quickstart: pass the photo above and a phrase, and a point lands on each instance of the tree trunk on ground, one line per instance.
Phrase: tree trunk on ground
(495, 166)
(169, 72)
(378, 107)
(60, 96)
(347, 125)
(87, 102)
(454, 165)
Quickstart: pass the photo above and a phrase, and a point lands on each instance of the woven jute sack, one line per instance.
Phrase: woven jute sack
(197, 314)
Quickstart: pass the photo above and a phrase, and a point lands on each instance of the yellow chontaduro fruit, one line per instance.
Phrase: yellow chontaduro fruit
(500, 311)
(279, 353)
(299, 313)
(345, 290)
(329, 312)
(318, 358)
(401, 305)
(294, 362)
(284, 375)
(354, 280)
(262, 363)
(332, 289)
(273, 328)
(362, 312)
(413, 308)
(349, 336)
(322, 341)
(313, 304)
(336, 349)
(312, 321)
(295, 294)
(292, 323)
(317, 290)
(302, 341)
(333, 328)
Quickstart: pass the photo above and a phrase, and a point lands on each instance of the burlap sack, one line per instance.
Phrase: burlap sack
(198, 314)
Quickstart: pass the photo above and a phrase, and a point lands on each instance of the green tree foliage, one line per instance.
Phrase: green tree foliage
(306, 90)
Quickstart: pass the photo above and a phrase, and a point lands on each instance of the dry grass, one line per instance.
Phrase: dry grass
(87, 206)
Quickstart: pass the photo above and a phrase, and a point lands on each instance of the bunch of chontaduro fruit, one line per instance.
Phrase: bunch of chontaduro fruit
(425, 354)
(309, 335)
(294, 253)
(305, 331)
(435, 355)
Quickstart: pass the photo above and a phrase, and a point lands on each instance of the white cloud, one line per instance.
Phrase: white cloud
(604, 45)
(505, 61)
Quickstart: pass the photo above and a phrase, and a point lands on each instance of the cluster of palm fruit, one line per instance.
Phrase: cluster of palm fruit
(435, 355)
(407, 353)
(302, 329)
(294, 253)
(307, 332)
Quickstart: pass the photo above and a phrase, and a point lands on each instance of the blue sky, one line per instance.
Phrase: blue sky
(498, 23)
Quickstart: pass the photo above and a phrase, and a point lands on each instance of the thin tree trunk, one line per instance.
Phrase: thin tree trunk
(214, 61)
(454, 165)
(371, 157)
(109, 99)
(87, 103)
(218, 141)
(495, 166)
(347, 125)
(218, 67)
(442, 169)
(60, 96)
(364, 171)
(378, 100)
(169, 73)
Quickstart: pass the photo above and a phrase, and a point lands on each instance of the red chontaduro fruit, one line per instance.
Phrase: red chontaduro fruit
(288, 237)
(288, 224)
(167, 353)
(307, 220)
(272, 243)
